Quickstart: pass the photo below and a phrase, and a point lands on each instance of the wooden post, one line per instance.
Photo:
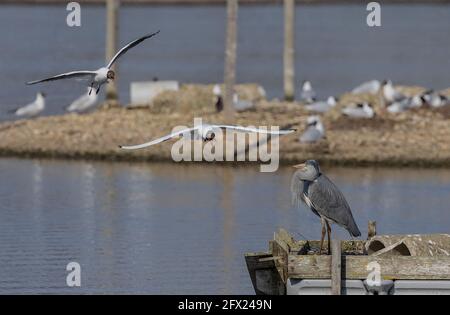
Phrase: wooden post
(230, 58)
(372, 229)
(289, 50)
(336, 266)
(112, 17)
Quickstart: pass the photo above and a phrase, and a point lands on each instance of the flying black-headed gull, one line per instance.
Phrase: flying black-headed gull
(322, 106)
(101, 76)
(362, 110)
(206, 133)
(390, 93)
(371, 87)
(314, 132)
(308, 94)
(32, 109)
(83, 103)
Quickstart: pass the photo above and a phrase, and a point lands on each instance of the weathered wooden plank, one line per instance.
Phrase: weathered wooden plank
(354, 267)
(336, 270)
(263, 274)
(412, 245)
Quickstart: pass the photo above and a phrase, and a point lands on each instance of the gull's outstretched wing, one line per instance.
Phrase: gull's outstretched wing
(265, 131)
(128, 47)
(159, 140)
(68, 75)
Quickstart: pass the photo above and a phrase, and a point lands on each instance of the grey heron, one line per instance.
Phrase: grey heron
(324, 199)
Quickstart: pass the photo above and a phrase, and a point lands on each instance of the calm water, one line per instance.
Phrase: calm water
(335, 48)
(150, 228)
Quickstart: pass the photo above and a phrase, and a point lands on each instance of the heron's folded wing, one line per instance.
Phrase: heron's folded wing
(329, 201)
(159, 140)
(68, 75)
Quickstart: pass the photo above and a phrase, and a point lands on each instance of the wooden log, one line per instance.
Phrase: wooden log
(411, 245)
(289, 50)
(263, 274)
(336, 271)
(112, 25)
(354, 267)
(372, 229)
(230, 59)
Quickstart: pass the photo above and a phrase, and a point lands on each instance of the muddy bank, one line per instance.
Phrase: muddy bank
(415, 138)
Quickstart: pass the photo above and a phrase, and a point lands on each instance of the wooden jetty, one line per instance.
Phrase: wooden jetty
(421, 261)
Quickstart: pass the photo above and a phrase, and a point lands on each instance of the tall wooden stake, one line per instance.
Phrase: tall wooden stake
(112, 25)
(289, 50)
(230, 58)
(336, 267)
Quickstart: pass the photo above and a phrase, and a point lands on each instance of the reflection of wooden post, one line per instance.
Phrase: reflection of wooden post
(230, 58)
(289, 50)
(112, 16)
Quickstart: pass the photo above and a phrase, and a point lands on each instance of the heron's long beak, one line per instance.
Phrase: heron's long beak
(299, 165)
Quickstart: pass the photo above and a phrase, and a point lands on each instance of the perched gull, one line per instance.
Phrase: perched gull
(435, 99)
(371, 87)
(314, 130)
(363, 110)
(308, 94)
(34, 108)
(405, 104)
(206, 133)
(218, 99)
(98, 77)
(322, 106)
(390, 93)
(83, 103)
(241, 105)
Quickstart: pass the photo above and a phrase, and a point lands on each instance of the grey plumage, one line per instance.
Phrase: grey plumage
(323, 197)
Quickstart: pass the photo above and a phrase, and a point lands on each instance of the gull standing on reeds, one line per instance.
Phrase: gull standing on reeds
(435, 99)
(362, 110)
(205, 132)
(324, 198)
(390, 93)
(322, 106)
(308, 94)
(371, 87)
(405, 104)
(97, 77)
(32, 109)
(83, 103)
(314, 132)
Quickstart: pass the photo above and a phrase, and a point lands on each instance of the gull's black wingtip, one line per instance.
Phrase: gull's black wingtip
(120, 146)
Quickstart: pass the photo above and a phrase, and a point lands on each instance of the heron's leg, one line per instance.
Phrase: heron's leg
(323, 235)
(329, 236)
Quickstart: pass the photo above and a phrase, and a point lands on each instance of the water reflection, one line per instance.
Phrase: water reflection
(171, 228)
